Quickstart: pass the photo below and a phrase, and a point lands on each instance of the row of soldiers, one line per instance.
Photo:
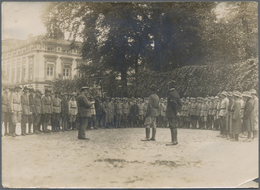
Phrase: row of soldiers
(60, 111)
(35, 110)
(218, 112)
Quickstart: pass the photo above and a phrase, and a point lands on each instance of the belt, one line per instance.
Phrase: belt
(73, 107)
(56, 106)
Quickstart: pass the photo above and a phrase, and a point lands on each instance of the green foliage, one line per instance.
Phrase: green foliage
(191, 80)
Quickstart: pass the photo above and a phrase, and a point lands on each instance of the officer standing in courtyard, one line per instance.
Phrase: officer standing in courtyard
(173, 106)
(151, 114)
(84, 112)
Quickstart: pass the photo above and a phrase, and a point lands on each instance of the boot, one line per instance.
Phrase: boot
(147, 131)
(174, 137)
(23, 129)
(153, 134)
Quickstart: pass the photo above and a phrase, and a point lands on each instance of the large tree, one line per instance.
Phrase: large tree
(119, 37)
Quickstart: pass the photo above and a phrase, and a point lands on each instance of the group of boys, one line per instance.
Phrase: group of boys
(37, 111)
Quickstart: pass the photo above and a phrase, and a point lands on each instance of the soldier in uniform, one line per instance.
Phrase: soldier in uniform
(99, 111)
(204, 112)
(38, 111)
(151, 114)
(248, 114)
(65, 112)
(236, 116)
(15, 104)
(125, 111)
(141, 113)
(25, 110)
(84, 112)
(215, 113)
(223, 112)
(56, 103)
(46, 110)
(211, 113)
(173, 106)
(118, 111)
(73, 111)
(32, 109)
(186, 113)
(193, 112)
(255, 113)
(229, 115)
(6, 111)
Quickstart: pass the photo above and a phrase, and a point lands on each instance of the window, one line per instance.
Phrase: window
(66, 73)
(31, 72)
(50, 71)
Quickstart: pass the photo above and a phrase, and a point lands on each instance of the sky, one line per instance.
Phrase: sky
(22, 18)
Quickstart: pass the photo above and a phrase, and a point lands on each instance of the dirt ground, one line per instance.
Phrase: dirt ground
(117, 158)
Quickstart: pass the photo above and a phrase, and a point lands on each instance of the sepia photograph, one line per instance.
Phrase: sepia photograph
(130, 94)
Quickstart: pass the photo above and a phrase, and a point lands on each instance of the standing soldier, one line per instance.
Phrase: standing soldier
(204, 112)
(6, 111)
(46, 110)
(84, 111)
(73, 111)
(99, 111)
(151, 114)
(198, 112)
(141, 113)
(32, 109)
(236, 116)
(25, 110)
(173, 106)
(15, 103)
(248, 114)
(229, 115)
(182, 113)
(56, 102)
(38, 111)
(118, 112)
(211, 113)
(215, 113)
(193, 113)
(125, 112)
(255, 113)
(186, 113)
(223, 112)
(65, 112)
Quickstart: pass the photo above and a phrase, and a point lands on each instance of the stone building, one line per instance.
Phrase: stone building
(37, 62)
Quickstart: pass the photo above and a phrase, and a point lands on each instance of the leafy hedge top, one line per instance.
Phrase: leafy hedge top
(191, 80)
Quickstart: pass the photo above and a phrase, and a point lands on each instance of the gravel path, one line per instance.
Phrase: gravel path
(117, 158)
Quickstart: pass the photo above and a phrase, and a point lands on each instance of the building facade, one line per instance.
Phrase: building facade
(37, 62)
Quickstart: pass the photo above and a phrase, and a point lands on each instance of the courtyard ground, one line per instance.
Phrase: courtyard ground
(117, 158)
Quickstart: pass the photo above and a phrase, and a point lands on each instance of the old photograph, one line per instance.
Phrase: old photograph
(130, 94)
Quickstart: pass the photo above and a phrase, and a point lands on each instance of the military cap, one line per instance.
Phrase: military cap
(73, 94)
(237, 94)
(153, 87)
(253, 91)
(229, 93)
(17, 87)
(26, 88)
(84, 88)
(247, 94)
(224, 93)
(216, 97)
(172, 83)
(212, 97)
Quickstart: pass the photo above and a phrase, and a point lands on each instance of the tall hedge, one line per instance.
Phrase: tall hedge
(200, 80)
(191, 80)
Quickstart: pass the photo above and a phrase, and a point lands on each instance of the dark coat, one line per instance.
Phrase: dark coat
(236, 123)
(98, 107)
(248, 116)
(134, 111)
(153, 106)
(173, 103)
(84, 106)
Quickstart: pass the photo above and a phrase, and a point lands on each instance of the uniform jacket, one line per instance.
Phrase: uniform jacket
(198, 109)
(255, 112)
(173, 103)
(15, 102)
(38, 104)
(73, 108)
(64, 106)
(92, 109)
(98, 107)
(56, 103)
(211, 108)
(125, 108)
(25, 104)
(118, 108)
(153, 106)
(46, 105)
(141, 108)
(204, 109)
(193, 108)
(83, 106)
(134, 111)
(6, 103)
(224, 107)
(236, 123)
(31, 101)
